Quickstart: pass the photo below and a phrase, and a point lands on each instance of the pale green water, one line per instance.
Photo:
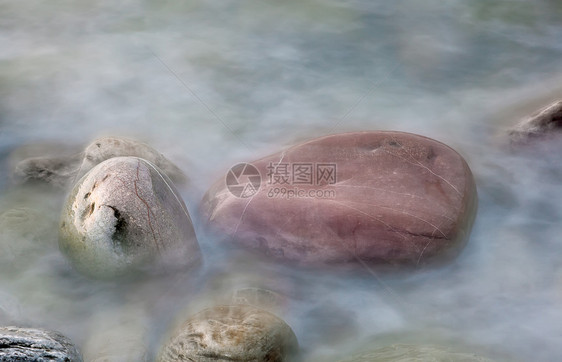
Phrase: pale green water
(211, 84)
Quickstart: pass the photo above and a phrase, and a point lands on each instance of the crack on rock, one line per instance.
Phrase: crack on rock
(149, 212)
(428, 236)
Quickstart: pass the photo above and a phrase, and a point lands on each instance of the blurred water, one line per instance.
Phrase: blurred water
(211, 84)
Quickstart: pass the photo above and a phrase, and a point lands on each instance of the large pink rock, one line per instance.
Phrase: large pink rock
(376, 197)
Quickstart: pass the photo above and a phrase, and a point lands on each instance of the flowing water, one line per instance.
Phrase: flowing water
(213, 83)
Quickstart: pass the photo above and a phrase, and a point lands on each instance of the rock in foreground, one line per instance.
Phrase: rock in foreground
(232, 333)
(414, 353)
(25, 344)
(125, 214)
(377, 197)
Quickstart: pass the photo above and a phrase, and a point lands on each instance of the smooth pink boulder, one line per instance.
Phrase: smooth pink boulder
(369, 197)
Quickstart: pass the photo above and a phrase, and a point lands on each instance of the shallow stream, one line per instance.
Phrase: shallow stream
(210, 84)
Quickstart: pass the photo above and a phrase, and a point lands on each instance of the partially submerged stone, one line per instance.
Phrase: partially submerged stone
(546, 124)
(376, 197)
(123, 215)
(57, 171)
(27, 344)
(231, 333)
(64, 169)
(414, 353)
(105, 148)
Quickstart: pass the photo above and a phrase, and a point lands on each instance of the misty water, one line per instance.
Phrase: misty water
(216, 83)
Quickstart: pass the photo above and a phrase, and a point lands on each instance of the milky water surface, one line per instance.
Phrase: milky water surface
(215, 83)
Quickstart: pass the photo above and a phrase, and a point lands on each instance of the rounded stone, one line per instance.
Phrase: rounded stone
(414, 353)
(123, 215)
(27, 344)
(231, 333)
(377, 197)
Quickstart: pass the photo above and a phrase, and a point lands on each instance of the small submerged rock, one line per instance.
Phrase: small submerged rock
(63, 170)
(105, 148)
(545, 125)
(123, 215)
(414, 353)
(377, 197)
(26, 344)
(232, 333)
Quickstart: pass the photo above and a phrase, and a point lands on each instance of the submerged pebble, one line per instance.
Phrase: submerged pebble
(545, 125)
(376, 197)
(64, 170)
(125, 215)
(232, 333)
(26, 344)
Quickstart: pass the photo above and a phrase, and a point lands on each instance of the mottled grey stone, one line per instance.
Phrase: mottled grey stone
(57, 171)
(123, 215)
(232, 333)
(26, 344)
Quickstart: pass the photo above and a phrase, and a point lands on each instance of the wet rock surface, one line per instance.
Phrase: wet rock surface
(394, 198)
(125, 215)
(545, 125)
(64, 169)
(414, 353)
(232, 333)
(26, 344)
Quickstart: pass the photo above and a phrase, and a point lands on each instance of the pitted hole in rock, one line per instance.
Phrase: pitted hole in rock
(430, 153)
(87, 195)
(91, 208)
(88, 211)
(120, 234)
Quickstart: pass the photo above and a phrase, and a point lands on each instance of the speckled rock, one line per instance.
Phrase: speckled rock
(124, 215)
(414, 353)
(546, 124)
(232, 333)
(64, 169)
(376, 197)
(26, 344)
